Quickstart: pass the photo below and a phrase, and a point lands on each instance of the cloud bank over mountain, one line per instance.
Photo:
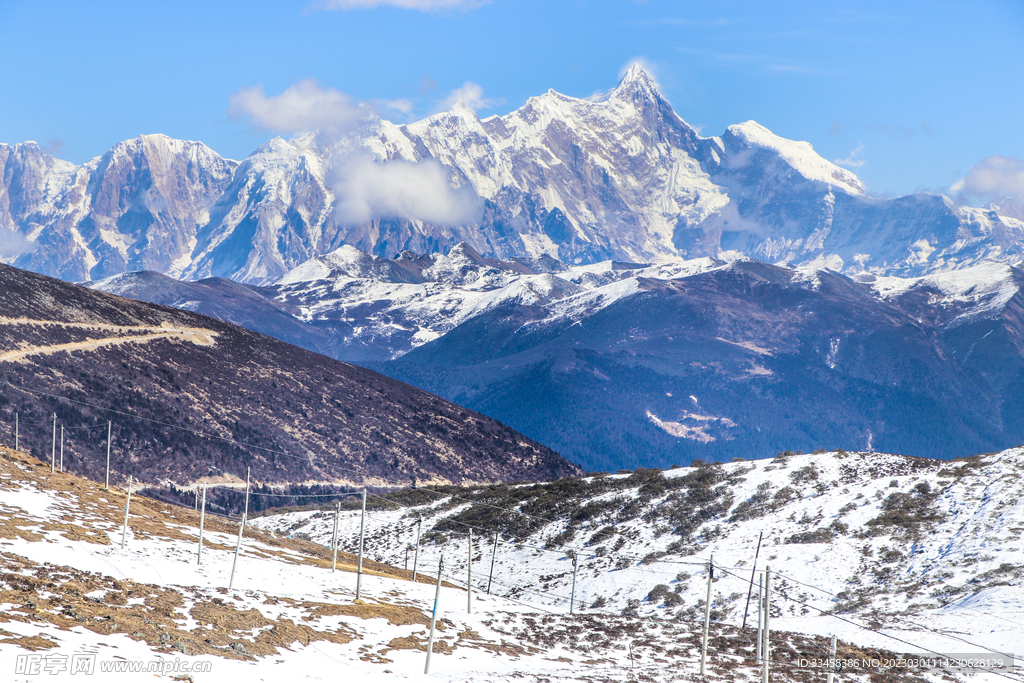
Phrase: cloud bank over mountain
(997, 180)
(418, 191)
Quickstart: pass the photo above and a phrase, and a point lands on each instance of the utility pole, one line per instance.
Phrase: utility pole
(494, 551)
(753, 572)
(572, 595)
(416, 555)
(62, 448)
(765, 647)
(16, 432)
(469, 575)
(127, 505)
(707, 615)
(832, 661)
(760, 614)
(238, 548)
(433, 615)
(241, 528)
(247, 472)
(202, 520)
(53, 448)
(106, 485)
(359, 568)
(334, 537)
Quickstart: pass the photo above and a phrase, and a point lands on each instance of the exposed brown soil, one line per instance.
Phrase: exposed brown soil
(150, 613)
(57, 595)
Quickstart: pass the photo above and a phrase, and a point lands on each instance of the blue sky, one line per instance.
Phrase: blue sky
(911, 95)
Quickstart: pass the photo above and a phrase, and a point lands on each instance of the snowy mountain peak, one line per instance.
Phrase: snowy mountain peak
(583, 180)
(157, 144)
(636, 87)
(799, 155)
(637, 76)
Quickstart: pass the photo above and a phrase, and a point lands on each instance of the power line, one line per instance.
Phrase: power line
(328, 465)
(867, 628)
(902, 619)
(164, 424)
(68, 429)
(452, 496)
(341, 494)
(829, 593)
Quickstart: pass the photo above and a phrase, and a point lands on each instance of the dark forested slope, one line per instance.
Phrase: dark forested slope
(292, 415)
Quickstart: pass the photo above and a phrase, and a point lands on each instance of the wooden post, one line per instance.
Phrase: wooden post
(766, 646)
(106, 485)
(202, 521)
(707, 615)
(359, 567)
(245, 515)
(127, 505)
(334, 538)
(433, 615)
(416, 555)
(753, 572)
(238, 548)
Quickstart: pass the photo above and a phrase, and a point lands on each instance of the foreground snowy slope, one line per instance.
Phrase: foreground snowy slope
(72, 596)
(867, 545)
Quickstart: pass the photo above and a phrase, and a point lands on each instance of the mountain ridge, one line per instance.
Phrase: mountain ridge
(195, 397)
(599, 360)
(621, 177)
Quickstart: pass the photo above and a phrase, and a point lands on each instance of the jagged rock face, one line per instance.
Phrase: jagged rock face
(618, 177)
(579, 180)
(275, 214)
(139, 206)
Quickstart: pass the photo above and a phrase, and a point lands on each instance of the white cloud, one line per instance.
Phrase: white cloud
(470, 95)
(855, 159)
(366, 189)
(403, 106)
(13, 244)
(728, 218)
(993, 179)
(303, 107)
(420, 5)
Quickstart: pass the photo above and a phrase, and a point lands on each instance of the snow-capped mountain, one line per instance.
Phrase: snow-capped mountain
(618, 177)
(139, 206)
(359, 307)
